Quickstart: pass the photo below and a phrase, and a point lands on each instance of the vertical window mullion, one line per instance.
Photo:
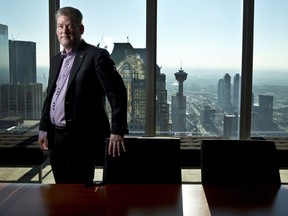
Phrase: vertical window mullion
(151, 29)
(247, 67)
(53, 42)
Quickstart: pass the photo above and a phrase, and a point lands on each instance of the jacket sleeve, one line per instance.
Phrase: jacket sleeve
(115, 90)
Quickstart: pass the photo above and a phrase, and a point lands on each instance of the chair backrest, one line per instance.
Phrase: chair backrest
(239, 162)
(147, 160)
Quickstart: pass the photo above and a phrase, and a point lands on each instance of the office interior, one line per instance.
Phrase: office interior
(228, 85)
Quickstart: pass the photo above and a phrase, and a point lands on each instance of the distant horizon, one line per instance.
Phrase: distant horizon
(263, 77)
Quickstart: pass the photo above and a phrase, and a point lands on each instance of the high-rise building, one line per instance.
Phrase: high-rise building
(230, 129)
(22, 97)
(263, 114)
(131, 65)
(22, 62)
(236, 92)
(162, 106)
(4, 55)
(179, 104)
(21, 100)
(224, 92)
(208, 116)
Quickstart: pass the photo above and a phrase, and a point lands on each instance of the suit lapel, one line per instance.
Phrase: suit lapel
(76, 65)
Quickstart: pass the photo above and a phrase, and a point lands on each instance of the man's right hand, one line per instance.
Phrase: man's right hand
(43, 141)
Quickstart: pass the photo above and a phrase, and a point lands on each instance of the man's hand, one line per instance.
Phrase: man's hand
(116, 142)
(43, 142)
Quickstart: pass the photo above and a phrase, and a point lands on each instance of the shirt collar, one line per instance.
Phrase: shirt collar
(70, 52)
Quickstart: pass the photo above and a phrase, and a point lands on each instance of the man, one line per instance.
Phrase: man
(74, 124)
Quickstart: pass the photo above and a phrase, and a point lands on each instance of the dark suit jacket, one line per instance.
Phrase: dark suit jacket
(93, 76)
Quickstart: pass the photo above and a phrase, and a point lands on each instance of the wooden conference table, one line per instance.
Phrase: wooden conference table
(145, 200)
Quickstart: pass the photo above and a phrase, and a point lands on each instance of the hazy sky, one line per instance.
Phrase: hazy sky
(191, 33)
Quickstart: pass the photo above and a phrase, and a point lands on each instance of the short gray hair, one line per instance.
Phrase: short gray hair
(70, 12)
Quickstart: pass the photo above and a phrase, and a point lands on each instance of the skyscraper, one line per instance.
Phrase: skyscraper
(21, 100)
(22, 96)
(263, 114)
(230, 129)
(22, 62)
(224, 92)
(131, 64)
(4, 55)
(236, 91)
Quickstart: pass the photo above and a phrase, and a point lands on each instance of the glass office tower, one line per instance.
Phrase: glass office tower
(4, 55)
(22, 62)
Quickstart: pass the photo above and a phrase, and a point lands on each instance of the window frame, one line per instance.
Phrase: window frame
(151, 42)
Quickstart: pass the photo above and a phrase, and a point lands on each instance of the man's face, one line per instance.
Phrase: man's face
(68, 32)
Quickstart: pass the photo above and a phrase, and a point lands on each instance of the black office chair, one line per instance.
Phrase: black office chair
(147, 160)
(239, 162)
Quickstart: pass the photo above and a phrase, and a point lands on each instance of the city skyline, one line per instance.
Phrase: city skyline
(200, 34)
(196, 76)
(201, 116)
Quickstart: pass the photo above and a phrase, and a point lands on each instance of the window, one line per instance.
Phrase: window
(199, 50)
(199, 60)
(270, 90)
(24, 60)
(119, 26)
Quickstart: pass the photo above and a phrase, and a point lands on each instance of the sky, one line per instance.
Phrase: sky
(191, 33)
